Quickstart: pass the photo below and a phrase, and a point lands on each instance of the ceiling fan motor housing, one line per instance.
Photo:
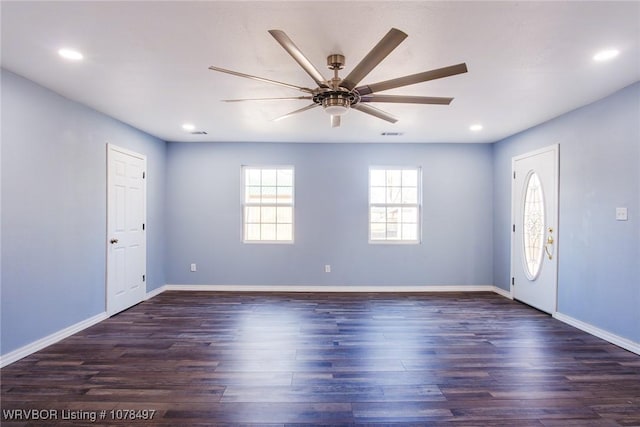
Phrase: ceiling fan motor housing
(336, 102)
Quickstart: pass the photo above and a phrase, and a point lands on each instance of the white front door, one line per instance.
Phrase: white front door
(126, 237)
(534, 243)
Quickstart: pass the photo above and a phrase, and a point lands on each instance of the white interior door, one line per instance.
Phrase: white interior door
(534, 243)
(126, 237)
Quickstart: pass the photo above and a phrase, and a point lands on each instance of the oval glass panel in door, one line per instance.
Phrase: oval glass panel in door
(533, 226)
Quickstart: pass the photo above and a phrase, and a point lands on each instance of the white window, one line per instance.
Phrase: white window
(394, 205)
(268, 204)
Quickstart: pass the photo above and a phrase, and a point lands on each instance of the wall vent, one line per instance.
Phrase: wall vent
(392, 133)
(198, 132)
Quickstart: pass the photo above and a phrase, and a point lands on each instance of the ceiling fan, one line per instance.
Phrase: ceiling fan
(338, 95)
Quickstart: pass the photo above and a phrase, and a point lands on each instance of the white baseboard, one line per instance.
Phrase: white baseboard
(50, 339)
(329, 288)
(625, 343)
(500, 291)
(156, 291)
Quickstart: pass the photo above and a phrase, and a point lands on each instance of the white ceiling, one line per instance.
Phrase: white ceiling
(146, 63)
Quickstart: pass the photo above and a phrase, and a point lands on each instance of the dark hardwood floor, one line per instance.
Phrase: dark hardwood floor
(217, 359)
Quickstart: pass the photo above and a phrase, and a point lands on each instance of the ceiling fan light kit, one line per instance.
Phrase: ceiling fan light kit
(337, 96)
(336, 105)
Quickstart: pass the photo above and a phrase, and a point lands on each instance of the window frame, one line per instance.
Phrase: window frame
(244, 204)
(417, 205)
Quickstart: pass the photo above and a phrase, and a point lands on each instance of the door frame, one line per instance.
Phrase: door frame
(555, 148)
(109, 309)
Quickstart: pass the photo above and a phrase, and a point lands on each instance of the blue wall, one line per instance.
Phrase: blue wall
(204, 216)
(53, 220)
(54, 209)
(599, 257)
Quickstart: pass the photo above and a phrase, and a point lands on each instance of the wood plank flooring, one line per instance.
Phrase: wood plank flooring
(285, 359)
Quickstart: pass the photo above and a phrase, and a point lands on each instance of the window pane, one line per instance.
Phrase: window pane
(378, 214)
(252, 176)
(394, 177)
(285, 177)
(268, 232)
(252, 214)
(269, 177)
(410, 215)
(393, 215)
(253, 232)
(284, 215)
(393, 195)
(410, 231)
(409, 195)
(377, 195)
(393, 231)
(377, 178)
(268, 214)
(284, 232)
(285, 195)
(269, 194)
(409, 178)
(252, 194)
(378, 231)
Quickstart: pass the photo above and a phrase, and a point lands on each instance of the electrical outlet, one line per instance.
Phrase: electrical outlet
(621, 214)
(194, 267)
(327, 268)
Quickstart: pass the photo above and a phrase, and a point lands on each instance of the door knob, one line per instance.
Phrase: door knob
(549, 244)
(114, 241)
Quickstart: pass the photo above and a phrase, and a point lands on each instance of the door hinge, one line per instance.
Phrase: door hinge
(514, 174)
(143, 226)
(144, 175)
(514, 228)
(513, 281)
(144, 277)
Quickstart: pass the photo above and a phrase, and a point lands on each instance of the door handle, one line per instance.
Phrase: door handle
(550, 242)
(114, 241)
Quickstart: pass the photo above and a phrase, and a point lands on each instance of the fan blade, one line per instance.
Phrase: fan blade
(308, 107)
(413, 79)
(290, 98)
(299, 57)
(401, 99)
(375, 112)
(380, 51)
(261, 79)
(335, 121)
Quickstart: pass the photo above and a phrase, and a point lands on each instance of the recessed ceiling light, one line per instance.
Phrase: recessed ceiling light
(605, 55)
(475, 128)
(188, 127)
(71, 54)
